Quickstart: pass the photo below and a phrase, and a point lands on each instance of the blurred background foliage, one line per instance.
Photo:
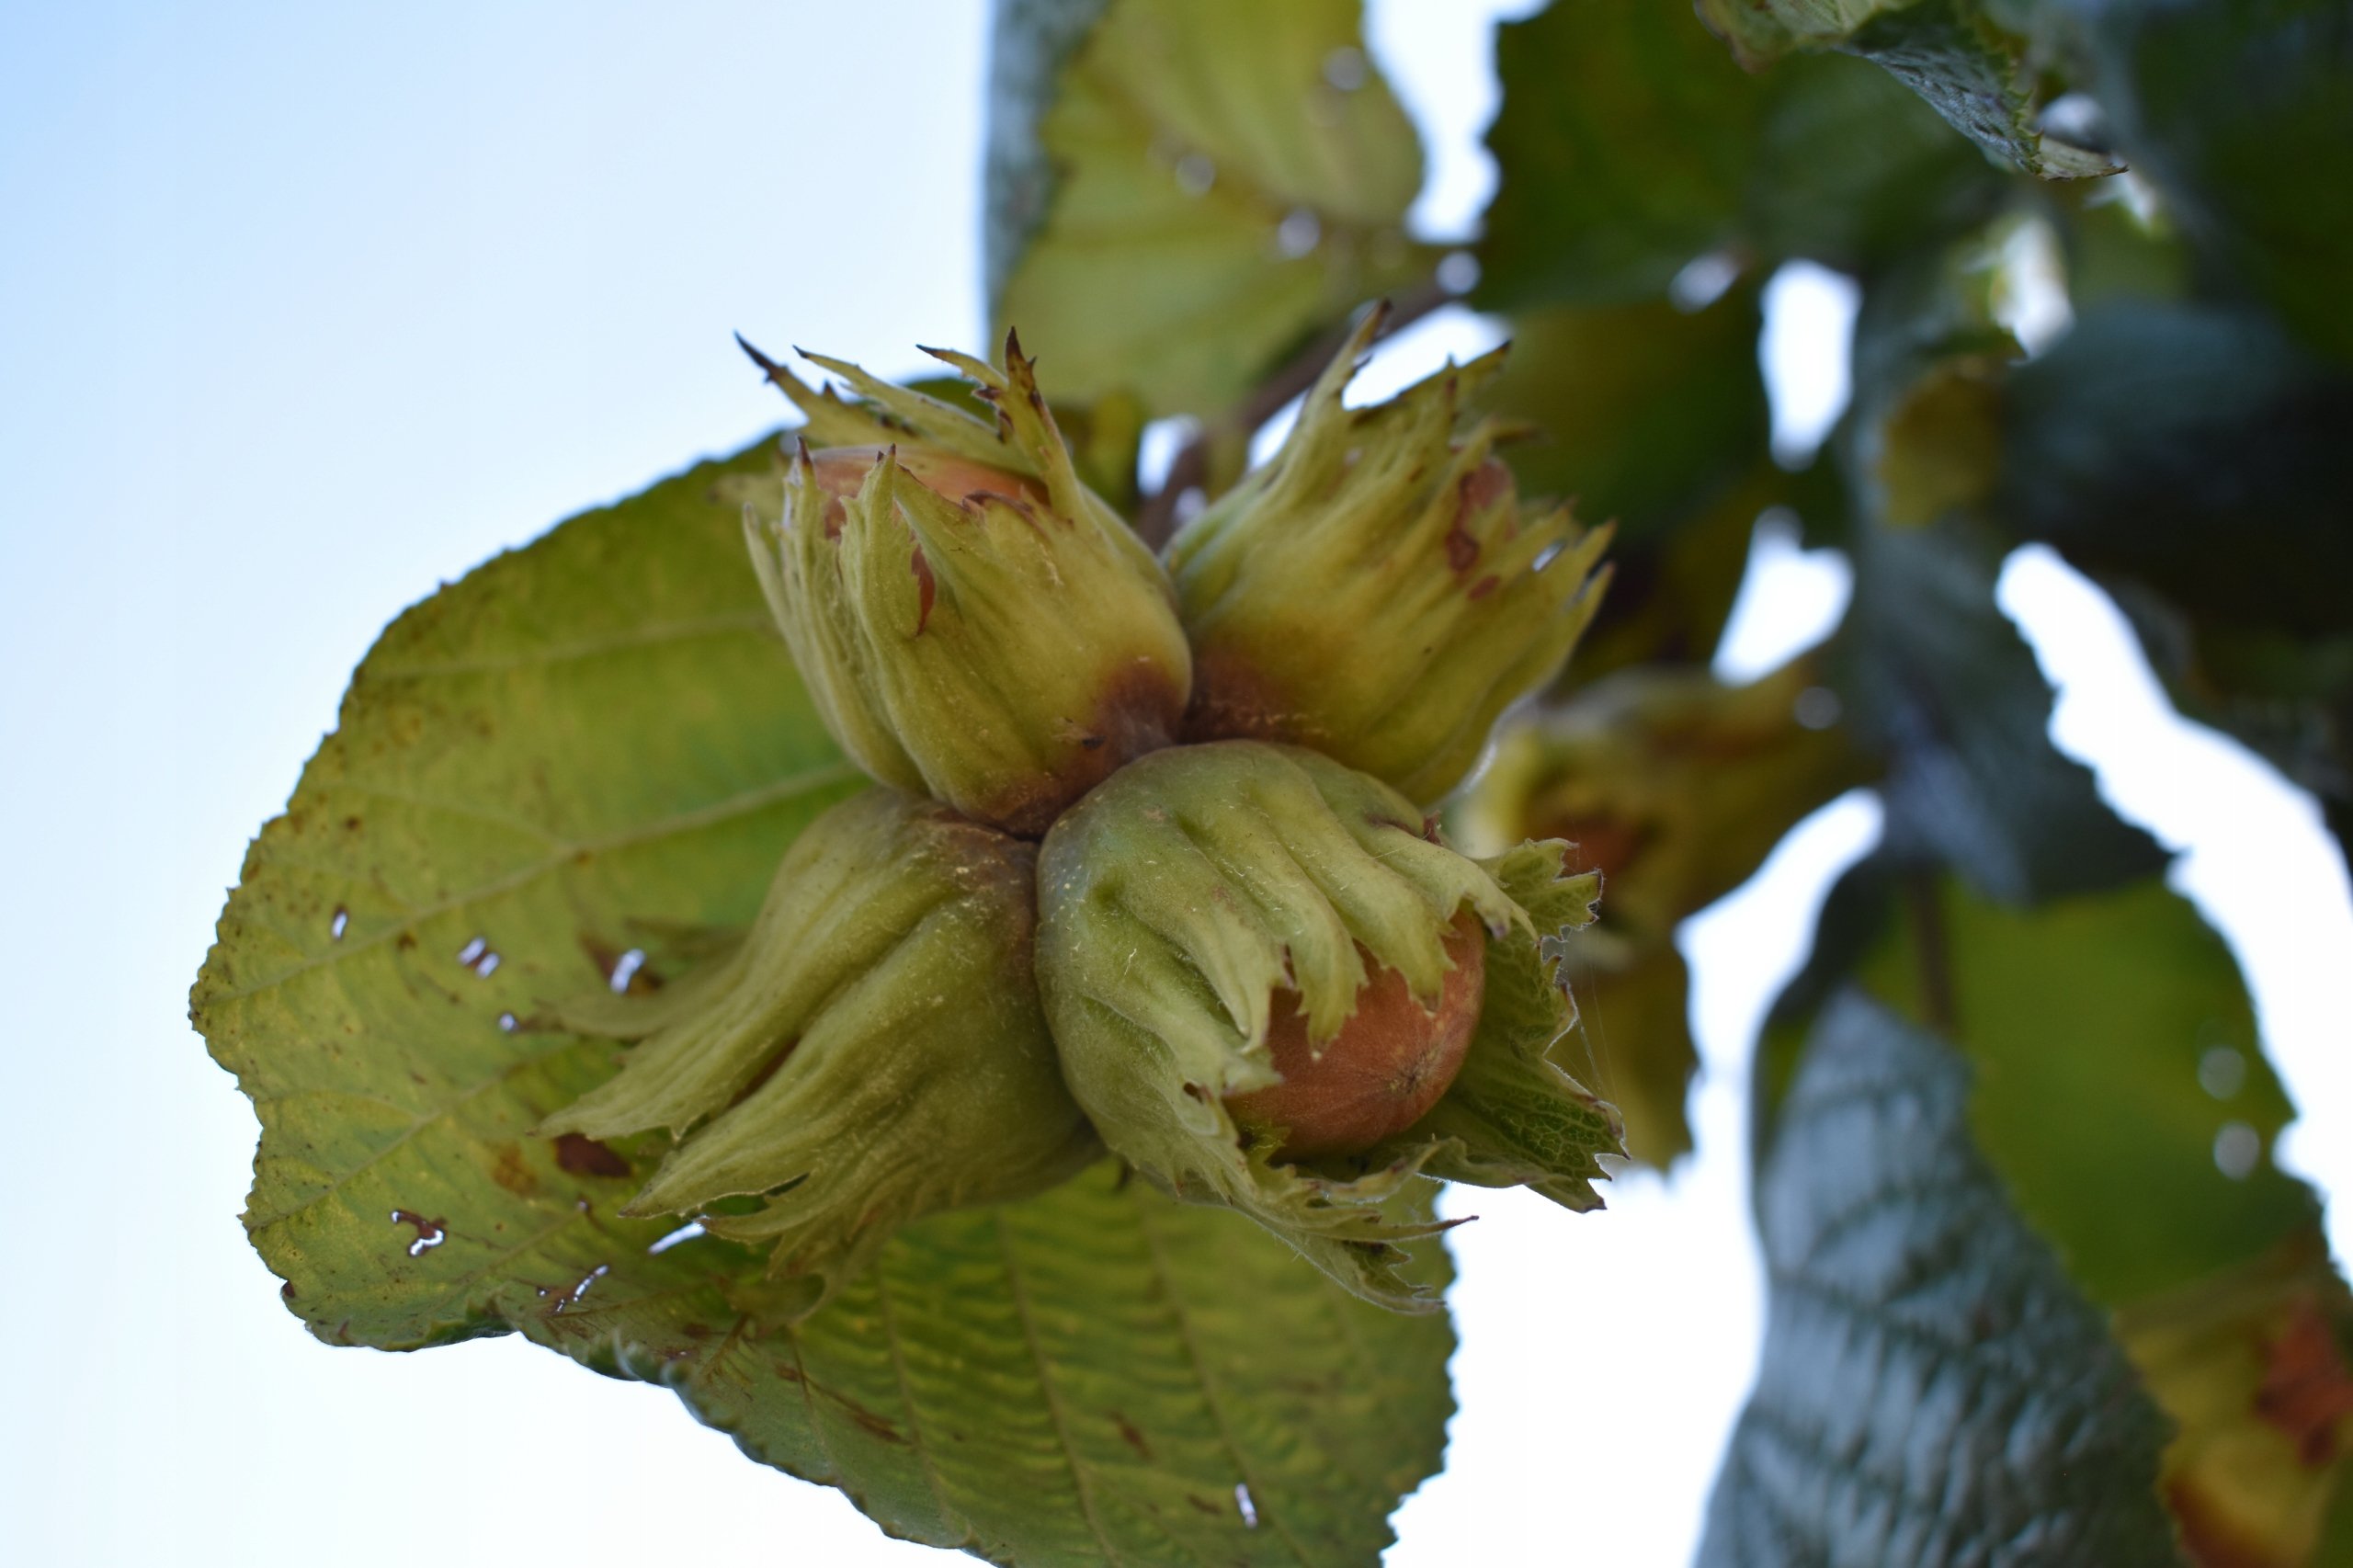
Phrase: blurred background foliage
(1190, 197)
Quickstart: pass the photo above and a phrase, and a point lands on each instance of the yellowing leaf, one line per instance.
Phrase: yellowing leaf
(568, 773)
(1212, 181)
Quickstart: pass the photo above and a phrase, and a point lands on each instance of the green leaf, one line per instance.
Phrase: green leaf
(2090, 1020)
(1653, 419)
(1630, 145)
(2188, 454)
(1623, 142)
(1979, 79)
(2194, 450)
(1674, 787)
(2193, 459)
(1852, 169)
(1953, 54)
(1933, 673)
(1199, 188)
(1933, 1389)
(595, 746)
(2117, 1072)
(1646, 414)
(2241, 111)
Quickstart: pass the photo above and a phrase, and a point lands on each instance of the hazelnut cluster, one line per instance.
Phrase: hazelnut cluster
(1149, 864)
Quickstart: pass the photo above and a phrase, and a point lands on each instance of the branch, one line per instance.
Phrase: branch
(1157, 518)
(1920, 897)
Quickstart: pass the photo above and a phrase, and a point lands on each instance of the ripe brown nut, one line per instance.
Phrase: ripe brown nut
(1388, 1066)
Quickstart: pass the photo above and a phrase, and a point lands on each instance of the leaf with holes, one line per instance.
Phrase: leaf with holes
(576, 769)
(1933, 1389)
(1184, 194)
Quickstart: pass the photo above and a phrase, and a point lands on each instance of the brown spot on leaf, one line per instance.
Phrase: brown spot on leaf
(2306, 1390)
(286, 1292)
(1130, 1435)
(509, 1171)
(1483, 587)
(584, 1156)
(869, 1422)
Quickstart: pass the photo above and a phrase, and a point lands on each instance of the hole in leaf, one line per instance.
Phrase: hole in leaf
(625, 970)
(340, 923)
(1242, 1501)
(1298, 233)
(1817, 707)
(590, 1278)
(684, 1233)
(2238, 1148)
(430, 1234)
(1703, 281)
(472, 951)
(2221, 1071)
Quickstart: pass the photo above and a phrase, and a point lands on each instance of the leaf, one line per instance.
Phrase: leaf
(1674, 787)
(1852, 169)
(1199, 188)
(594, 748)
(1630, 146)
(1933, 1389)
(2241, 112)
(2118, 1066)
(2194, 450)
(1979, 80)
(1644, 415)
(1623, 142)
(1932, 672)
(2091, 1020)
(1953, 53)
(2188, 454)
(2192, 458)
(2252, 1366)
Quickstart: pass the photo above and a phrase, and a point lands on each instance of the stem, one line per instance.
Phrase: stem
(1157, 518)
(1928, 913)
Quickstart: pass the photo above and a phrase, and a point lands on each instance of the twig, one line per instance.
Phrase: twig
(1928, 912)
(1157, 518)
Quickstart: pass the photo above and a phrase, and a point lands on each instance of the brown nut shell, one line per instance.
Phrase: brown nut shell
(1389, 1065)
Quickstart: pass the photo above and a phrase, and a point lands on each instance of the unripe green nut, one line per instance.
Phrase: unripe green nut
(1375, 591)
(1207, 893)
(974, 623)
(872, 1051)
